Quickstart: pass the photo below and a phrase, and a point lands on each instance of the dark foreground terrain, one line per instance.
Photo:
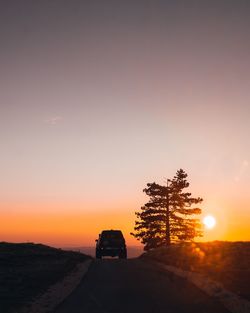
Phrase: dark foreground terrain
(124, 286)
(225, 262)
(133, 286)
(28, 269)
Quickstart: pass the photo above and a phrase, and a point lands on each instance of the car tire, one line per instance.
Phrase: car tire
(98, 255)
(123, 254)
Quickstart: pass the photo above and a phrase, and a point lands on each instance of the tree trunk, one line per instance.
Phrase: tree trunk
(168, 241)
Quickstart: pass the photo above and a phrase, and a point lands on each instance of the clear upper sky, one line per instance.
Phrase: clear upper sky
(98, 98)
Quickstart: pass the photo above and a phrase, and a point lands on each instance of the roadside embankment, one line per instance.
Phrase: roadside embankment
(221, 269)
(30, 271)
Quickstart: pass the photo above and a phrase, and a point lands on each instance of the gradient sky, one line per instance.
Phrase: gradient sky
(98, 98)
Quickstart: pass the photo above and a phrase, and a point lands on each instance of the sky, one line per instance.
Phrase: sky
(98, 98)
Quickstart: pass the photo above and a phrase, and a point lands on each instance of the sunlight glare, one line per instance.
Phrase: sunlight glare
(209, 221)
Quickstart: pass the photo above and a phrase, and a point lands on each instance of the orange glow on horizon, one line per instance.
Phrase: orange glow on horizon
(78, 224)
(81, 229)
(63, 229)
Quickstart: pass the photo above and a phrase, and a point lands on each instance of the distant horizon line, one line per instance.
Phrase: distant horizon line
(92, 246)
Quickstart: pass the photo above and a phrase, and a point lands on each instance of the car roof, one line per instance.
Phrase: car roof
(111, 231)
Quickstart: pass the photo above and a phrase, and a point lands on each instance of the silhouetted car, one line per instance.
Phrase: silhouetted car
(111, 243)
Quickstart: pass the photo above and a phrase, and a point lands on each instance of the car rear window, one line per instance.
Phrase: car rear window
(112, 235)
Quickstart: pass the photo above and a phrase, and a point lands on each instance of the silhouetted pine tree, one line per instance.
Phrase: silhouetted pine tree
(169, 215)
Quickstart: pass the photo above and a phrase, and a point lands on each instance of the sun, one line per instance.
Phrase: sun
(209, 221)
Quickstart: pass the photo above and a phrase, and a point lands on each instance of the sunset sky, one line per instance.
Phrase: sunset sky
(98, 98)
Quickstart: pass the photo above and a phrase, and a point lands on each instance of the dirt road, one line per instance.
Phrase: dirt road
(134, 286)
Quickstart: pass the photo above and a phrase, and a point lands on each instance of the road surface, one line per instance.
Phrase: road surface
(135, 286)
